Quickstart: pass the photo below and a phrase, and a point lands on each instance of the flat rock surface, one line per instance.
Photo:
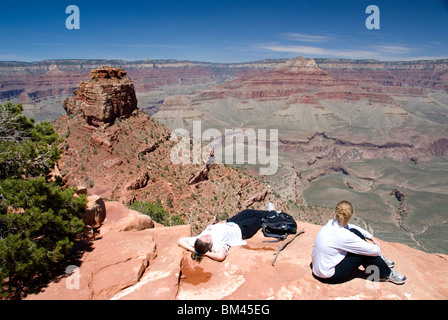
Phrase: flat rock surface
(149, 265)
(247, 273)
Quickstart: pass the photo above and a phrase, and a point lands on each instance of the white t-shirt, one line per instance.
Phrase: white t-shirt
(223, 235)
(333, 242)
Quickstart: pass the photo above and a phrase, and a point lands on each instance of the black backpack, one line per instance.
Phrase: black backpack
(278, 225)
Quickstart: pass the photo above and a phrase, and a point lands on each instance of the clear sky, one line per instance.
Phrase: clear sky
(223, 30)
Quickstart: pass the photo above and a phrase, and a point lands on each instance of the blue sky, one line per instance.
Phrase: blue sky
(224, 30)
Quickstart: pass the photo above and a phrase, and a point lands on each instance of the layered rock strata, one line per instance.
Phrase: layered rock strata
(108, 95)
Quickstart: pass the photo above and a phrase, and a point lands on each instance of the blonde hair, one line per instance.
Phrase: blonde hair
(343, 212)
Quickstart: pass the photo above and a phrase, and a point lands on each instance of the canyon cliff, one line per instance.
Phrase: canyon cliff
(127, 159)
(352, 129)
(122, 154)
(347, 129)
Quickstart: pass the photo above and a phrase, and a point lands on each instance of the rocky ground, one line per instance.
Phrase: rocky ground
(149, 265)
(114, 152)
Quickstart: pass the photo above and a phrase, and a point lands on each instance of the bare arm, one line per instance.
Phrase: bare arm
(183, 242)
(220, 255)
(217, 256)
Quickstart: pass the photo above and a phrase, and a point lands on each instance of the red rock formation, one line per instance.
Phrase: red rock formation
(122, 257)
(149, 265)
(295, 76)
(108, 95)
(96, 212)
(398, 76)
(129, 160)
(139, 183)
(199, 176)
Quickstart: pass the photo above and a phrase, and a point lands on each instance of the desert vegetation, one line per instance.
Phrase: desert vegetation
(39, 217)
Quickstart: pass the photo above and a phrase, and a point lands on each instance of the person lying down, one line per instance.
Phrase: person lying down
(214, 242)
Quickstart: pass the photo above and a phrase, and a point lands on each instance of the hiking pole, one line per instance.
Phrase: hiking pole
(286, 243)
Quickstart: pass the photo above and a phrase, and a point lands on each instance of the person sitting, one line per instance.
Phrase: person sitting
(215, 240)
(340, 248)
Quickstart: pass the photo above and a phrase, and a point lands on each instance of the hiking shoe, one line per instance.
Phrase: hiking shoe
(395, 277)
(389, 263)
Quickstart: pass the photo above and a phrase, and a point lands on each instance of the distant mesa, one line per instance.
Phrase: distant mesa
(107, 96)
(107, 73)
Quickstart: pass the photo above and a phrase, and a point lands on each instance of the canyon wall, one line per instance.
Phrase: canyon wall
(356, 129)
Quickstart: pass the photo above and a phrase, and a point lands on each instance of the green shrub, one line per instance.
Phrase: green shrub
(156, 212)
(39, 219)
(152, 209)
(38, 225)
